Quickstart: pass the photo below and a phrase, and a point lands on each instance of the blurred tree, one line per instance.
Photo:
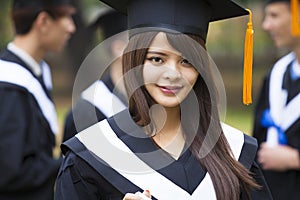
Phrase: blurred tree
(81, 41)
(6, 32)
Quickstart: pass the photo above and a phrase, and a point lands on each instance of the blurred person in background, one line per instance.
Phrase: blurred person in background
(277, 114)
(28, 116)
(90, 109)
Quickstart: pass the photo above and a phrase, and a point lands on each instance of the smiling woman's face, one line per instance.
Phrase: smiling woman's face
(168, 76)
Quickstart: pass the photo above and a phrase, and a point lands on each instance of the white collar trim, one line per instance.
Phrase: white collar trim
(34, 66)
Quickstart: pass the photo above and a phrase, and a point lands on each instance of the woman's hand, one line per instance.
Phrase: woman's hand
(138, 196)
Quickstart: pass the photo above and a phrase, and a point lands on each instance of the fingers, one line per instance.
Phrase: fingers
(130, 196)
(147, 193)
(138, 196)
(265, 155)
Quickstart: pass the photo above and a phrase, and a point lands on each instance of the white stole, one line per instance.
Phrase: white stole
(100, 96)
(103, 142)
(283, 115)
(15, 74)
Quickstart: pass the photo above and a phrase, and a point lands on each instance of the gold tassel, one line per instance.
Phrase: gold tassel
(295, 17)
(248, 61)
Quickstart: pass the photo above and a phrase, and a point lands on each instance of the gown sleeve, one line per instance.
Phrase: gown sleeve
(78, 180)
(86, 115)
(263, 193)
(25, 164)
(64, 184)
(259, 132)
(70, 184)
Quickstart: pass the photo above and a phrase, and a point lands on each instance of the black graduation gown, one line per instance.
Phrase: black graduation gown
(283, 185)
(86, 113)
(27, 168)
(83, 175)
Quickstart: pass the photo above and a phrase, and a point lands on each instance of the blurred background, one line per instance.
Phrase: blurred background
(225, 45)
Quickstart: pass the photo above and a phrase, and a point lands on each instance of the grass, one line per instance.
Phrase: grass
(240, 118)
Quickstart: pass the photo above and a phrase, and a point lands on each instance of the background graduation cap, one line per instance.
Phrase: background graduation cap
(110, 22)
(295, 29)
(38, 4)
(192, 17)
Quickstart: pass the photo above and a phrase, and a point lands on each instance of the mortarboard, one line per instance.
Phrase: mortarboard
(38, 4)
(110, 22)
(192, 17)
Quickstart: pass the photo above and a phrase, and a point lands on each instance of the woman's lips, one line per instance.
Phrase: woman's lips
(170, 89)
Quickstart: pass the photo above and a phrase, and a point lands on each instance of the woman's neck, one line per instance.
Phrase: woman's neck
(168, 135)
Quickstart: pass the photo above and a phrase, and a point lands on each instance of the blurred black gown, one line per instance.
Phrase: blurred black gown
(283, 185)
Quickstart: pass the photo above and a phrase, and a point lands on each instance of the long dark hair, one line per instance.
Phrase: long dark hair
(229, 177)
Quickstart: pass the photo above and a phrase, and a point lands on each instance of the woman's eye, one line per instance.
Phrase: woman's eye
(155, 59)
(185, 61)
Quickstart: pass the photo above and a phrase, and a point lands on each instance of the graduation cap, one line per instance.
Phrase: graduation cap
(38, 4)
(295, 28)
(110, 22)
(191, 17)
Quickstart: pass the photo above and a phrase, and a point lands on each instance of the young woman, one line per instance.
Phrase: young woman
(170, 143)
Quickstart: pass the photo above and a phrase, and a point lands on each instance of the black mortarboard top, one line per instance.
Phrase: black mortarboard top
(111, 22)
(192, 16)
(38, 4)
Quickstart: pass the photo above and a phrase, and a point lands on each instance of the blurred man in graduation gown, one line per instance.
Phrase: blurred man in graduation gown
(277, 114)
(28, 116)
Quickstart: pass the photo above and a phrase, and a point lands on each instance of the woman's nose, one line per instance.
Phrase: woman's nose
(171, 73)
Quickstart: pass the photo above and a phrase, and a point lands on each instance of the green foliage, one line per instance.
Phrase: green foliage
(6, 32)
(240, 117)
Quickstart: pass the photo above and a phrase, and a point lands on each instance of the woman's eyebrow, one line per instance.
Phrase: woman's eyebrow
(157, 52)
(167, 53)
